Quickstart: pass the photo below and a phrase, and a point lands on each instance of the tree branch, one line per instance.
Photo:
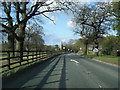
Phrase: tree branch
(17, 6)
(48, 18)
(48, 11)
(4, 26)
(31, 9)
(6, 31)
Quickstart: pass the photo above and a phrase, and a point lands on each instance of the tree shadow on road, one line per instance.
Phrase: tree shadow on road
(61, 81)
(63, 75)
(56, 68)
(45, 78)
(20, 79)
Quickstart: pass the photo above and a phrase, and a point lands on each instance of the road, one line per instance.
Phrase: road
(67, 71)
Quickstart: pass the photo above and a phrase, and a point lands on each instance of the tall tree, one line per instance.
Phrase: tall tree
(86, 32)
(37, 40)
(7, 24)
(17, 14)
(116, 13)
(33, 35)
(110, 45)
(94, 15)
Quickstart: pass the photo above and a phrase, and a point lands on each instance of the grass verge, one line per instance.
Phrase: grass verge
(105, 58)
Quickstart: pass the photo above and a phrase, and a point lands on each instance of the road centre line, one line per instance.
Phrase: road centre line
(74, 61)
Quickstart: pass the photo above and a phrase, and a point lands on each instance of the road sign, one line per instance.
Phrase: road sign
(95, 50)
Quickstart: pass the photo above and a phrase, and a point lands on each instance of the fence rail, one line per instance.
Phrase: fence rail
(8, 61)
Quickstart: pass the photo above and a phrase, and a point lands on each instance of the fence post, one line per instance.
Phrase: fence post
(44, 55)
(39, 55)
(28, 56)
(21, 57)
(36, 55)
(32, 56)
(8, 52)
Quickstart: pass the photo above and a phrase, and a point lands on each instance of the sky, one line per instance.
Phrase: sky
(61, 31)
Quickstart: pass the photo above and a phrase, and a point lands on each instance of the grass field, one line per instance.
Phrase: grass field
(105, 58)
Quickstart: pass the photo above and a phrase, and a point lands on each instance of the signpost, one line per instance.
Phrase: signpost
(95, 50)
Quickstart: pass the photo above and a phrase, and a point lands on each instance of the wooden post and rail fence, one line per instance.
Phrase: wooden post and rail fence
(8, 61)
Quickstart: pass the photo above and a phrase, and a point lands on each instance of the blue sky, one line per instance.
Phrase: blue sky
(61, 31)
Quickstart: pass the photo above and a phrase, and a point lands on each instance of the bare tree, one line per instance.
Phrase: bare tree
(95, 16)
(17, 15)
(34, 34)
(116, 12)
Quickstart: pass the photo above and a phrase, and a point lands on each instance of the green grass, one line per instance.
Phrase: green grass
(105, 58)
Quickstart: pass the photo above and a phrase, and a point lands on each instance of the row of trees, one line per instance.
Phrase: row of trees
(109, 45)
(15, 18)
(33, 38)
(95, 20)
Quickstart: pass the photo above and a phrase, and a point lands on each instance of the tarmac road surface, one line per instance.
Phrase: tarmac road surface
(67, 71)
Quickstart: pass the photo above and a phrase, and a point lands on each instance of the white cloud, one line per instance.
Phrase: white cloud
(71, 24)
(53, 39)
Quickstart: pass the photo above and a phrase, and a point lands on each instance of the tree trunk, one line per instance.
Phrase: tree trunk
(11, 43)
(20, 41)
(28, 44)
(19, 47)
(27, 47)
(86, 47)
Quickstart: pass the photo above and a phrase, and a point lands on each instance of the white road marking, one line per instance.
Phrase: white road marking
(74, 61)
(100, 86)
